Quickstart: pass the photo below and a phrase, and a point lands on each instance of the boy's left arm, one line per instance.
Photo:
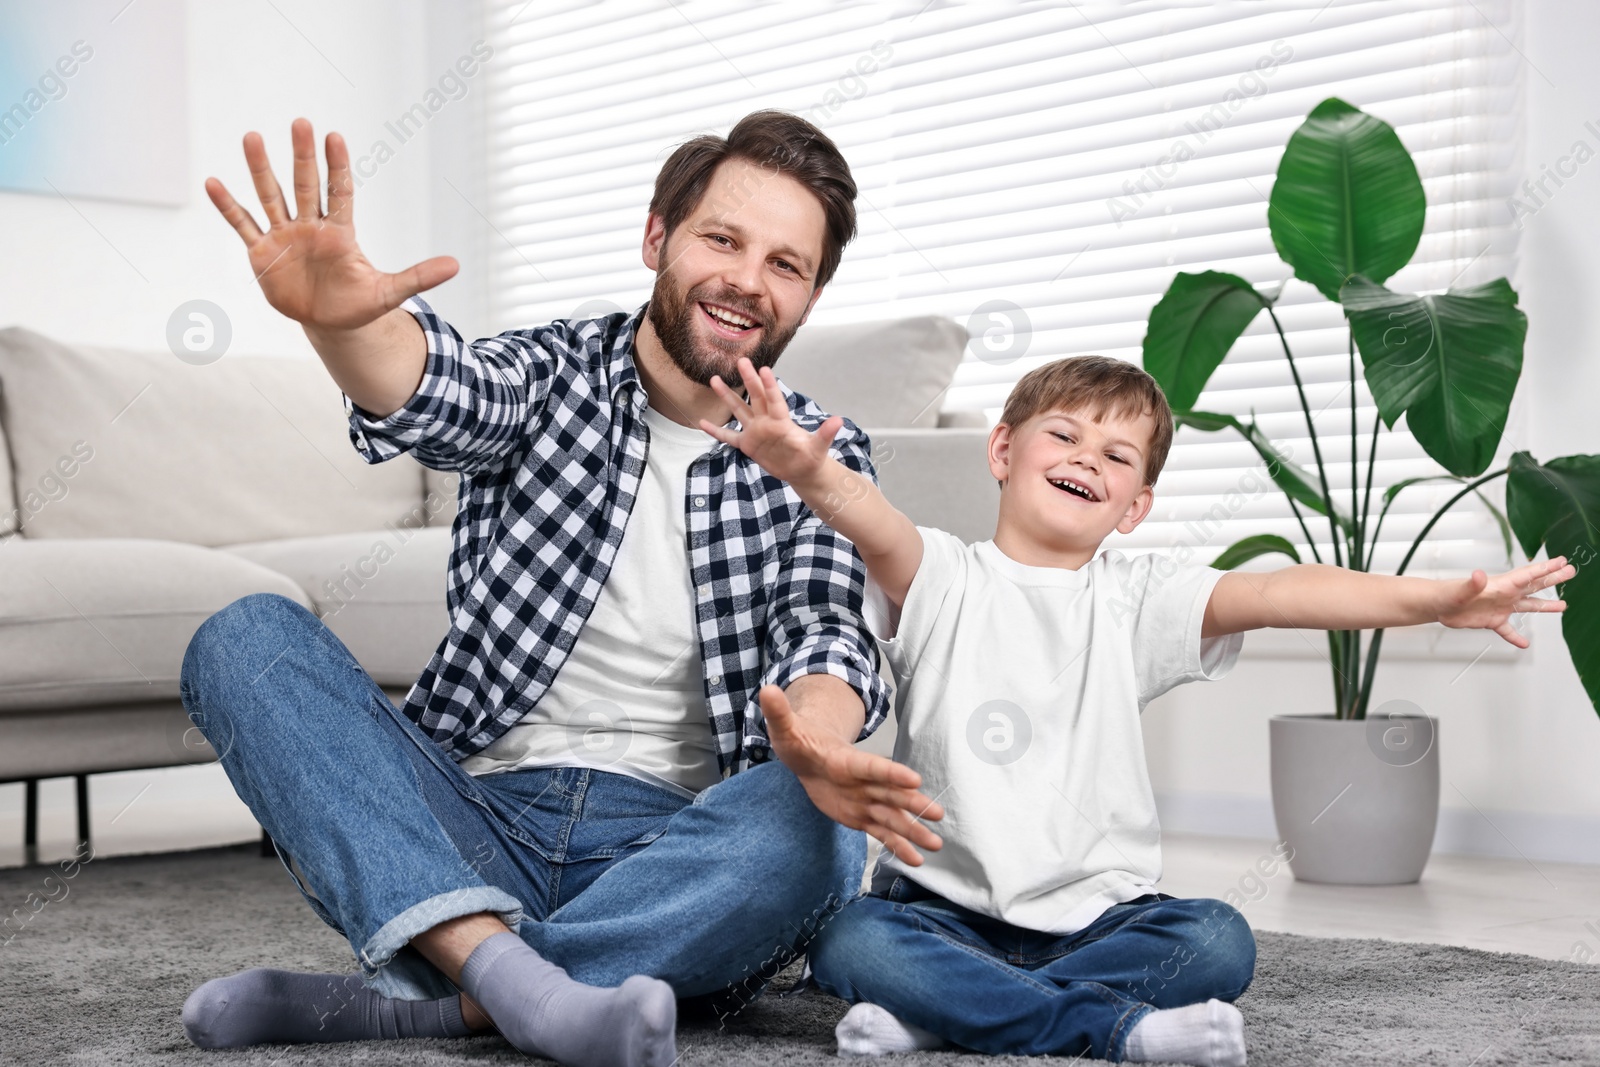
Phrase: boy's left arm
(823, 690)
(1316, 596)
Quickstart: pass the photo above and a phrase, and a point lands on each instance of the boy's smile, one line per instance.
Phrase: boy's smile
(1069, 481)
(1075, 488)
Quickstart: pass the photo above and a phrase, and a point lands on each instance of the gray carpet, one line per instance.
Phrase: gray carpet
(98, 976)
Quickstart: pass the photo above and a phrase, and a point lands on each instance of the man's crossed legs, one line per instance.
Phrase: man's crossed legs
(601, 875)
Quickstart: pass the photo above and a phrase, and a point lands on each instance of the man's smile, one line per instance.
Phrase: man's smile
(726, 322)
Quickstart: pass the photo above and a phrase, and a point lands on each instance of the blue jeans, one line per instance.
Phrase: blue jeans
(603, 874)
(991, 987)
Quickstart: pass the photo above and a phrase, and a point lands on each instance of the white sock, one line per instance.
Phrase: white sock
(868, 1030)
(1206, 1035)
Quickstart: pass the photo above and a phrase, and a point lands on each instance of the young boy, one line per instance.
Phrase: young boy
(1035, 926)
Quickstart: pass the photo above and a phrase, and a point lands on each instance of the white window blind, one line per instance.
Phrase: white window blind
(1064, 160)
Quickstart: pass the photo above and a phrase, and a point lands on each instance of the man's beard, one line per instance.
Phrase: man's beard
(673, 315)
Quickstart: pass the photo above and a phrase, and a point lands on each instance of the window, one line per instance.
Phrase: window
(1022, 156)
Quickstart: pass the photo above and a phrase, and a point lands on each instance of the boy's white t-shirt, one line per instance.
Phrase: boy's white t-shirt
(1019, 690)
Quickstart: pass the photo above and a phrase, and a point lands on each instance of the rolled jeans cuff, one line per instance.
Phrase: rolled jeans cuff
(402, 975)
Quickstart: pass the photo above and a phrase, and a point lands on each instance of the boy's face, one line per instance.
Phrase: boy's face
(1041, 460)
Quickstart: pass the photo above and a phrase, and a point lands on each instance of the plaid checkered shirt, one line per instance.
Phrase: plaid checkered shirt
(545, 427)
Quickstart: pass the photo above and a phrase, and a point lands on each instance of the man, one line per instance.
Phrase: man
(578, 818)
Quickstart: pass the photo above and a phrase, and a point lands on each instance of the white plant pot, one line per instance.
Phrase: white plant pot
(1357, 800)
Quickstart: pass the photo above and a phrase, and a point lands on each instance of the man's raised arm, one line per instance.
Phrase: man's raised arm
(311, 269)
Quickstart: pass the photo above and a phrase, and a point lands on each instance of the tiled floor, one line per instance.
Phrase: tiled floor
(1480, 902)
(1501, 905)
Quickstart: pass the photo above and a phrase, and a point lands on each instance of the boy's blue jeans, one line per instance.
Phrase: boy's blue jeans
(991, 987)
(602, 874)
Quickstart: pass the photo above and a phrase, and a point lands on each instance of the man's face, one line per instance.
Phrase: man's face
(737, 277)
(1104, 457)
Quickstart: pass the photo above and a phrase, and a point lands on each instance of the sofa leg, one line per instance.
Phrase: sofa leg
(83, 812)
(30, 821)
(267, 851)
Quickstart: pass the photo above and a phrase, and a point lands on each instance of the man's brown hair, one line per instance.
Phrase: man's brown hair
(1095, 386)
(778, 143)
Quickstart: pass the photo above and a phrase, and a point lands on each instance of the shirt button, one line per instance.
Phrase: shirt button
(716, 679)
(699, 501)
(705, 590)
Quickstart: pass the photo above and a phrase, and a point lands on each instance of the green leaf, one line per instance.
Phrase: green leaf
(1191, 329)
(1557, 505)
(1563, 495)
(1208, 421)
(1250, 547)
(1448, 362)
(1347, 199)
(1287, 475)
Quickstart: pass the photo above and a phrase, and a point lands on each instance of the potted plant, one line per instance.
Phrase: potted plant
(1357, 796)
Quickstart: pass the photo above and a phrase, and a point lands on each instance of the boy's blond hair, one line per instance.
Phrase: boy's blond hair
(1095, 386)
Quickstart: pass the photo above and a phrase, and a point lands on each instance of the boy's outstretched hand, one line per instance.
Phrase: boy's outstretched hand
(768, 434)
(854, 788)
(1488, 603)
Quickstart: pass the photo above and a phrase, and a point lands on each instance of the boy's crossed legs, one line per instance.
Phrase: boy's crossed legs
(985, 985)
(602, 876)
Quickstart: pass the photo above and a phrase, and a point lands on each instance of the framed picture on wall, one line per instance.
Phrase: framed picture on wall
(93, 100)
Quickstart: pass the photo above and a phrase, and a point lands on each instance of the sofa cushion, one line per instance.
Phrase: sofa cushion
(964, 419)
(244, 449)
(101, 621)
(891, 373)
(940, 478)
(441, 491)
(381, 592)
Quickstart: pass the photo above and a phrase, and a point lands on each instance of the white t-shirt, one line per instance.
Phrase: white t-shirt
(1019, 693)
(630, 698)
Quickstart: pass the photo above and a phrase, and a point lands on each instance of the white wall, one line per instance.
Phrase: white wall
(350, 66)
(1519, 741)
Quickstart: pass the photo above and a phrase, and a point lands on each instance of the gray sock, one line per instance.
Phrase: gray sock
(263, 1006)
(541, 1010)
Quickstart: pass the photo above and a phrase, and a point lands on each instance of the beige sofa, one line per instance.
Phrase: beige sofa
(139, 494)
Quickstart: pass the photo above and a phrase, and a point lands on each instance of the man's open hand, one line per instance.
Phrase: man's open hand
(1488, 603)
(309, 266)
(852, 787)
